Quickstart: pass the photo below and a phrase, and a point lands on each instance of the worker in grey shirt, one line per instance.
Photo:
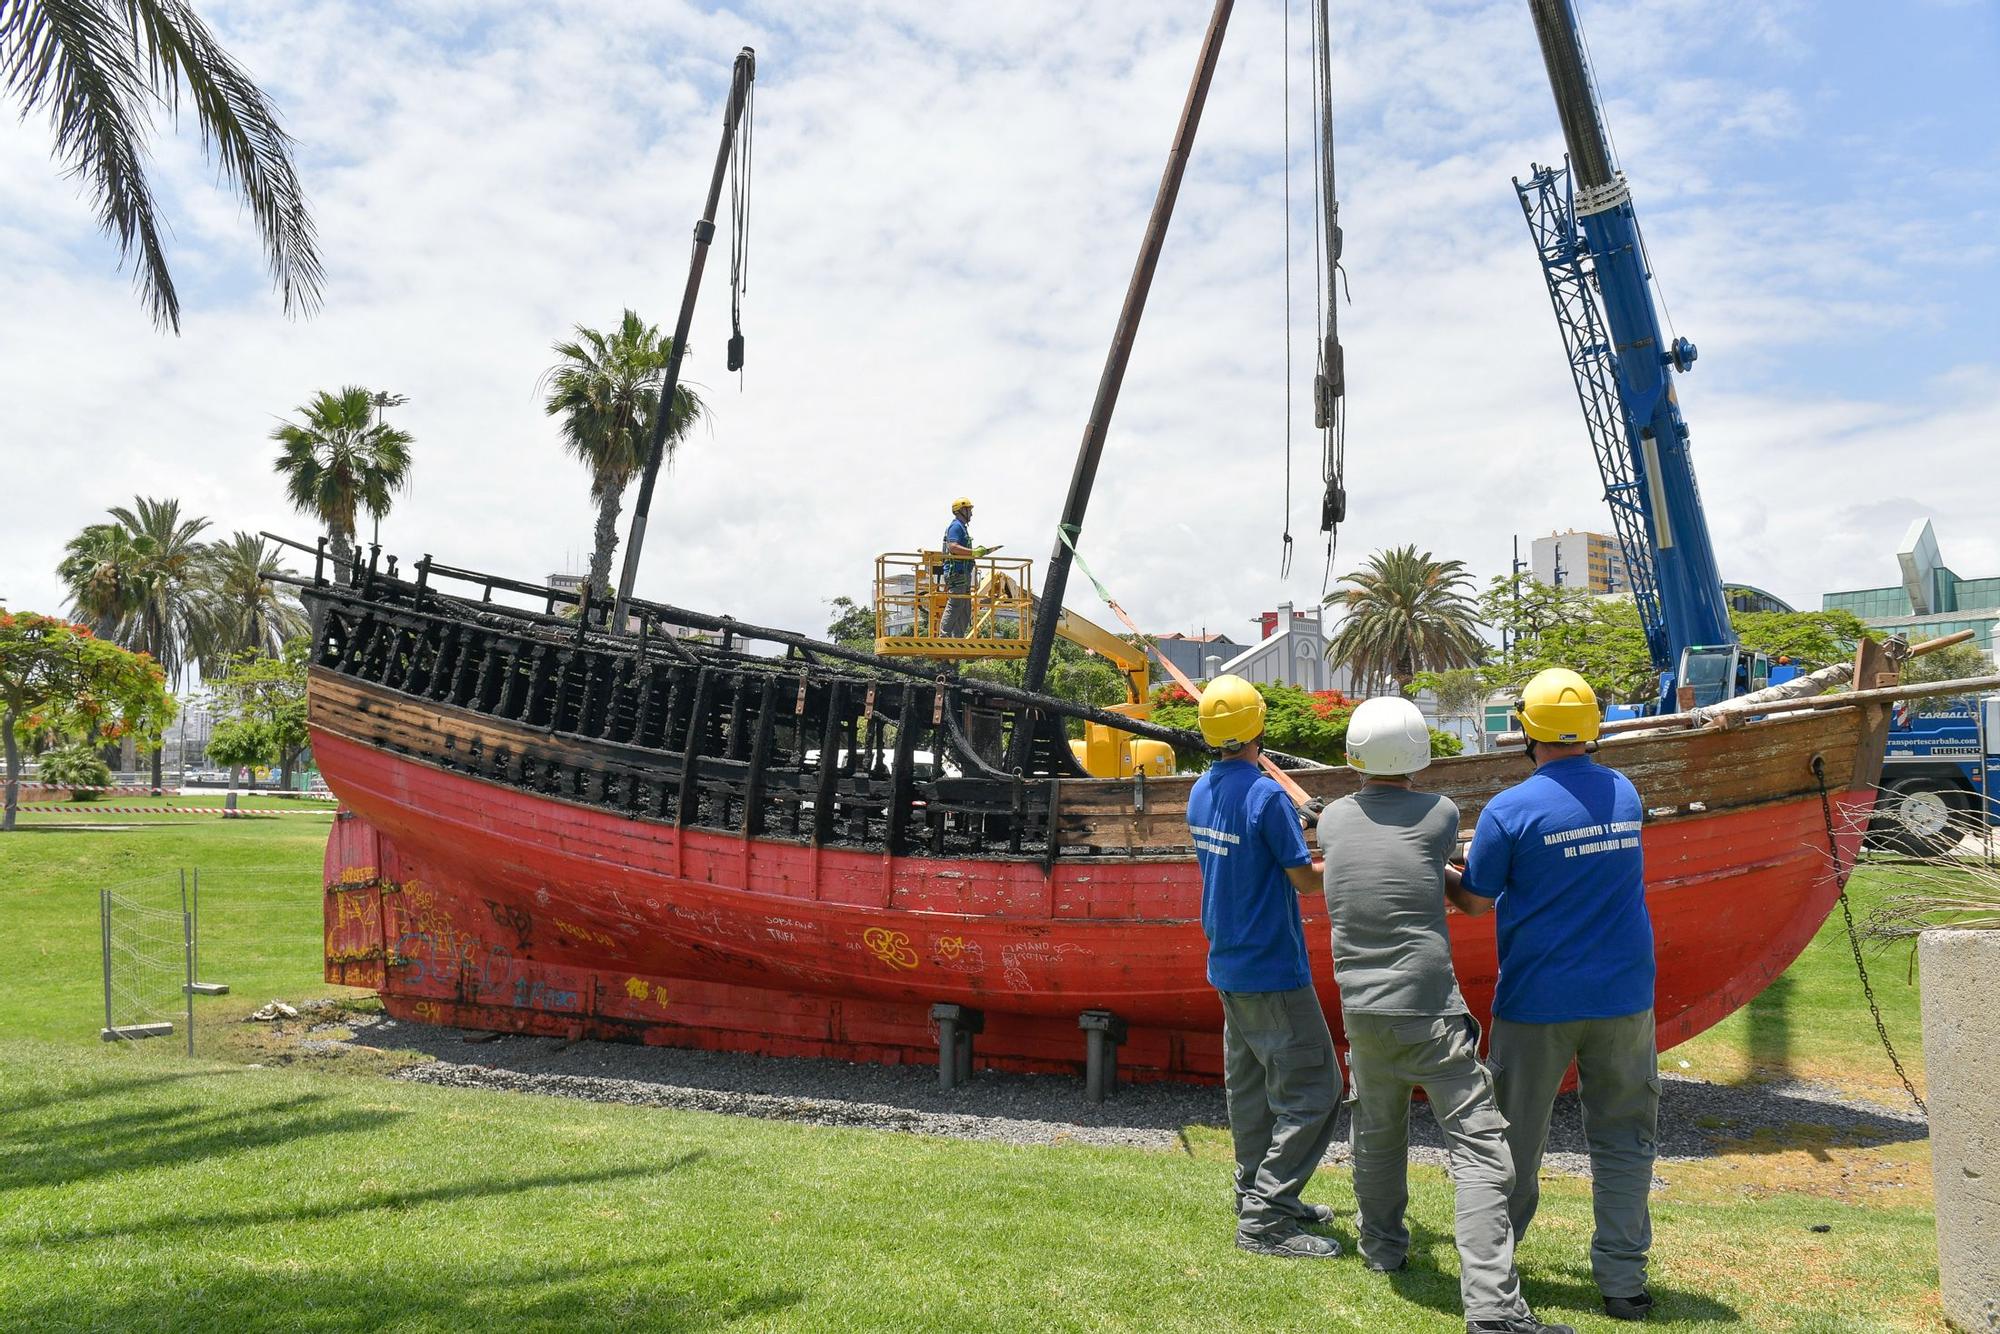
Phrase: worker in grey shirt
(1387, 880)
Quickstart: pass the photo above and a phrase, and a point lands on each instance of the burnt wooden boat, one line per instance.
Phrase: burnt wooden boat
(751, 841)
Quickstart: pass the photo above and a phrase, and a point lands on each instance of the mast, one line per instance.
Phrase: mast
(1050, 607)
(704, 232)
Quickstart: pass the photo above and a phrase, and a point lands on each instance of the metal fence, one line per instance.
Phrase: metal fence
(150, 938)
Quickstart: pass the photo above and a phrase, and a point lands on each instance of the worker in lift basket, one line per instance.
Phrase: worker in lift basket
(1558, 857)
(1387, 881)
(957, 619)
(1282, 1077)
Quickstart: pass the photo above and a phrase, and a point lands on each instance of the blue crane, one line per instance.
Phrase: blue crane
(1594, 259)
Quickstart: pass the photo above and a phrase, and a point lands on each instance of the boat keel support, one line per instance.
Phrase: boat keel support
(956, 1026)
(1104, 1034)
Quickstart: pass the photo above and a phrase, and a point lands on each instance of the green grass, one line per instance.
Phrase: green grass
(117, 808)
(142, 1191)
(260, 913)
(1812, 1022)
(139, 1192)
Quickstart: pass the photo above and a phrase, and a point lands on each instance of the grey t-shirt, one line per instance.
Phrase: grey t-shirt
(1385, 853)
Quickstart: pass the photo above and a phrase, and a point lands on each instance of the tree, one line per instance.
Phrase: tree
(100, 69)
(339, 459)
(1406, 612)
(1461, 693)
(263, 697)
(241, 610)
(240, 743)
(1075, 674)
(853, 624)
(1311, 724)
(1544, 626)
(1955, 663)
(58, 677)
(100, 573)
(606, 389)
(1812, 639)
(168, 577)
(167, 581)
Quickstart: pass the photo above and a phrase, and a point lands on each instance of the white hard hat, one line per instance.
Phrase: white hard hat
(1387, 737)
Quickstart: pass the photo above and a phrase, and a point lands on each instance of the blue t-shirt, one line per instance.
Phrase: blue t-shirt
(957, 572)
(1560, 855)
(1246, 832)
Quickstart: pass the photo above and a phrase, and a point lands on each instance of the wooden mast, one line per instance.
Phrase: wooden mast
(1056, 580)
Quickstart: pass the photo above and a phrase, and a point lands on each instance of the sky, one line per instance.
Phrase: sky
(948, 199)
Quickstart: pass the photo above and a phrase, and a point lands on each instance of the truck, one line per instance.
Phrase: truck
(1941, 775)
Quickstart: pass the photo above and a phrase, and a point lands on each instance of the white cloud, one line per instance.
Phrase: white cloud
(948, 201)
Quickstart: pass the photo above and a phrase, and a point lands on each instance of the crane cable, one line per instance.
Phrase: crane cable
(739, 229)
(1330, 381)
(1285, 559)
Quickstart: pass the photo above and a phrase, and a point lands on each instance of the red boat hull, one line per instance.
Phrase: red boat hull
(476, 904)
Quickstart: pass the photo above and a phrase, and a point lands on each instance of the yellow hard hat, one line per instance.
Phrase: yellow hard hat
(1232, 713)
(1559, 706)
(962, 503)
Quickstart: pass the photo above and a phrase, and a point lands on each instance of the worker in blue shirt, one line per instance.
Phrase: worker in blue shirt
(1558, 854)
(958, 573)
(1283, 1080)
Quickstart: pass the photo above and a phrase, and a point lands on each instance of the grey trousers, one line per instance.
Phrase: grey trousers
(1389, 1056)
(1284, 1088)
(957, 618)
(1618, 1082)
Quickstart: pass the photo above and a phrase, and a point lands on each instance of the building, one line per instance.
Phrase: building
(1750, 598)
(1292, 652)
(1931, 600)
(1198, 656)
(1592, 561)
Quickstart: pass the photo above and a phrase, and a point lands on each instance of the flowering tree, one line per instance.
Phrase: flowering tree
(58, 678)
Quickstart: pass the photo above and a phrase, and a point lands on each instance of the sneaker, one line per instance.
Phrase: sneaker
(1294, 1245)
(1377, 1267)
(1320, 1215)
(1636, 1307)
(1526, 1323)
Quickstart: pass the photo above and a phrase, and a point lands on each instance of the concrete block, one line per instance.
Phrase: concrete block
(126, 1032)
(1959, 970)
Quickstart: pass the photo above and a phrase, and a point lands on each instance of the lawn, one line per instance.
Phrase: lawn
(260, 912)
(1812, 1022)
(141, 1191)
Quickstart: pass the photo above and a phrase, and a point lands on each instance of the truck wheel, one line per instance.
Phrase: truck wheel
(1917, 817)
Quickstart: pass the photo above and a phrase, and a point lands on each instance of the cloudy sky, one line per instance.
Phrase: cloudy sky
(948, 201)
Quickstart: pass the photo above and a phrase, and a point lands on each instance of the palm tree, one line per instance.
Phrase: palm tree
(100, 69)
(165, 621)
(606, 389)
(1406, 613)
(340, 461)
(100, 573)
(241, 609)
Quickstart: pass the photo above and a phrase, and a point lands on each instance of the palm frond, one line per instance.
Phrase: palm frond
(98, 68)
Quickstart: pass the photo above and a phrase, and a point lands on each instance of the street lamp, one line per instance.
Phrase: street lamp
(381, 399)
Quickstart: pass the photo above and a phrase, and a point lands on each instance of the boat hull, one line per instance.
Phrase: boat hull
(474, 903)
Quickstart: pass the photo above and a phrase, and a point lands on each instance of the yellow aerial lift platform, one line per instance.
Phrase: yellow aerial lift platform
(911, 600)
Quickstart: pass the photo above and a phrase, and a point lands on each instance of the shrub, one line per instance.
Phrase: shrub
(78, 768)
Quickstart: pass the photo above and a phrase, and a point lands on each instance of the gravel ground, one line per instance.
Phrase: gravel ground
(1697, 1119)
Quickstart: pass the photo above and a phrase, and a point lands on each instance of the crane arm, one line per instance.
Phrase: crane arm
(1595, 262)
(1129, 659)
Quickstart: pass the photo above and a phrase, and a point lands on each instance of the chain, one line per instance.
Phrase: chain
(1854, 940)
